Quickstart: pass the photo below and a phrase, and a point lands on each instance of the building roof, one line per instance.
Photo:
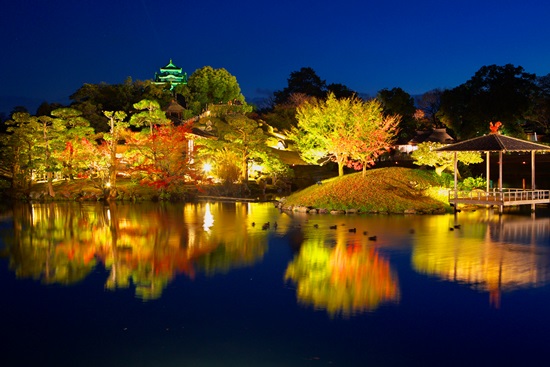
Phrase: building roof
(171, 66)
(436, 135)
(494, 143)
(204, 134)
(292, 158)
(174, 106)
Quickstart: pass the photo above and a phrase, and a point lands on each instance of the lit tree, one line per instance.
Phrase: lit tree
(333, 128)
(160, 157)
(243, 137)
(212, 86)
(18, 149)
(442, 161)
(151, 115)
(78, 129)
(51, 130)
(283, 115)
(33, 142)
(374, 134)
(117, 128)
(93, 99)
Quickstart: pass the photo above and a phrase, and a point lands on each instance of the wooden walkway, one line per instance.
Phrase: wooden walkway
(506, 197)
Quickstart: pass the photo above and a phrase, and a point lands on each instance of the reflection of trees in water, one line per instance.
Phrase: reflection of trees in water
(344, 280)
(230, 255)
(144, 245)
(48, 245)
(485, 255)
(229, 230)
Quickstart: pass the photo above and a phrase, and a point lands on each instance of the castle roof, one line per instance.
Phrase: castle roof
(171, 67)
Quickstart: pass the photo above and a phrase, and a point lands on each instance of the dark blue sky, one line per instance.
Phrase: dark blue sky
(50, 48)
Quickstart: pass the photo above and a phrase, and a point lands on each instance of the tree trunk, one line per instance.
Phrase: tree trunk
(113, 168)
(49, 175)
(340, 169)
(245, 171)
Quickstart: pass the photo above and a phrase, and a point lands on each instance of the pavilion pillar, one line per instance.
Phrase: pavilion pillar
(501, 195)
(488, 175)
(533, 179)
(500, 171)
(456, 180)
(533, 187)
(488, 171)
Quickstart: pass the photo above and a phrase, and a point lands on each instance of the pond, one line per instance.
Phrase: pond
(213, 284)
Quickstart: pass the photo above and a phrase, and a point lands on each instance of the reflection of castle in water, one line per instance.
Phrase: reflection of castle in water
(492, 256)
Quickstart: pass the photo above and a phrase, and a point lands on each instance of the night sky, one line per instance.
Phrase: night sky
(51, 47)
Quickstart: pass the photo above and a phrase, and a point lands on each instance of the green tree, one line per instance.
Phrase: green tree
(246, 139)
(340, 90)
(31, 146)
(45, 109)
(540, 112)
(212, 86)
(283, 116)
(19, 149)
(332, 129)
(77, 129)
(151, 115)
(396, 101)
(117, 129)
(93, 99)
(226, 166)
(374, 134)
(430, 103)
(442, 161)
(52, 139)
(494, 93)
(239, 137)
(305, 81)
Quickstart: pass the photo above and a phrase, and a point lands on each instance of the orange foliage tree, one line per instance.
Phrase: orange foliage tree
(161, 159)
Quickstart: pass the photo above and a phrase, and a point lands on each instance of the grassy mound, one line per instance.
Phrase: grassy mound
(391, 190)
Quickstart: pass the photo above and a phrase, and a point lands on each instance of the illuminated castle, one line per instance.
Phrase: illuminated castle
(171, 74)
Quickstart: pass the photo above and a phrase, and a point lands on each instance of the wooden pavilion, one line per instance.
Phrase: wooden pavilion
(495, 142)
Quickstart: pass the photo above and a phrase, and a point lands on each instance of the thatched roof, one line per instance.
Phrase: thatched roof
(435, 135)
(494, 143)
(174, 107)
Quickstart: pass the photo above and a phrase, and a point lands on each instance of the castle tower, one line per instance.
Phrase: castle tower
(171, 74)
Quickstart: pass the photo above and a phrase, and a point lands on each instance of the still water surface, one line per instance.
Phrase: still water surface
(209, 285)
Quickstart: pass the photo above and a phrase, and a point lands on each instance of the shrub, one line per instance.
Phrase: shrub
(471, 183)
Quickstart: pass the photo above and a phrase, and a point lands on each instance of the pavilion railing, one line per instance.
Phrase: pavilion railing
(506, 195)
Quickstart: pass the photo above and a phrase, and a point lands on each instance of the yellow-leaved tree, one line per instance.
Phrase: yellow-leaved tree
(343, 130)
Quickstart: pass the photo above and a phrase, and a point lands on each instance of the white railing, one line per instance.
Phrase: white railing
(506, 195)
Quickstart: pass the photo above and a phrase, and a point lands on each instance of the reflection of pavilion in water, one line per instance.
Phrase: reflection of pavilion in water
(525, 232)
(510, 255)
